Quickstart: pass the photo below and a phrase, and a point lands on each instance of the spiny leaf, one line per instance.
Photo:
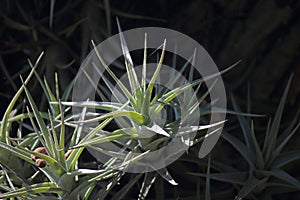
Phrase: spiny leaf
(207, 183)
(259, 156)
(46, 89)
(56, 86)
(134, 83)
(147, 98)
(148, 181)
(280, 174)
(17, 152)
(47, 187)
(247, 154)
(102, 194)
(171, 82)
(107, 106)
(62, 138)
(118, 81)
(14, 100)
(54, 136)
(52, 3)
(167, 176)
(98, 140)
(244, 125)
(125, 188)
(248, 187)
(45, 132)
(50, 96)
(287, 131)
(284, 142)
(285, 158)
(144, 72)
(135, 116)
(99, 92)
(271, 139)
(192, 129)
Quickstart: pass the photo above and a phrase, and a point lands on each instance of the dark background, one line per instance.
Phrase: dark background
(265, 35)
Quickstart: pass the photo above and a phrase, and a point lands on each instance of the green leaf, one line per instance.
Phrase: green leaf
(136, 117)
(107, 106)
(282, 175)
(247, 154)
(17, 152)
(96, 130)
(148, 181)
(102, 194)
(52, 3)
(4, 121)
(285, 158)
(83, 172)
(287, 131)
(23, 116)
(144, 72)
(98, 140)
(47, 90)
(125, 188)
(99, 92)
(62, 158)
(171, 82)
(248, 187)
(56, 86)
(259, 156)
(284, 142)
(103, 176)
(45, 132)
(118, 81)
(207, 110)
(192, 69)
(167, 176)
(54, 136)
(207, 182)
(47, 187)
(272, 137)
(127, 131)
(37, 132)
(50, 96)
(47, 158)
(133, 80)
(244, 125)
(82, 187)
(129, 159)
(74, 156)
(89, 191)
(78, 130)
(168, 97)
(193, 129)
(147, 98)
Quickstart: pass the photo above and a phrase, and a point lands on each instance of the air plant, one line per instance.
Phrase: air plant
(138, 109)
(266, 176)
(45, 148)
(56, 158)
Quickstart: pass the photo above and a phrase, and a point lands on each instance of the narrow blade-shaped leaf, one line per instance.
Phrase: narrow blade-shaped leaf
(276, 124)
(47, 187)
(14, 100)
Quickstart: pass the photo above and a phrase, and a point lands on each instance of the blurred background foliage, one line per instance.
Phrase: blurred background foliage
(265, 35)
